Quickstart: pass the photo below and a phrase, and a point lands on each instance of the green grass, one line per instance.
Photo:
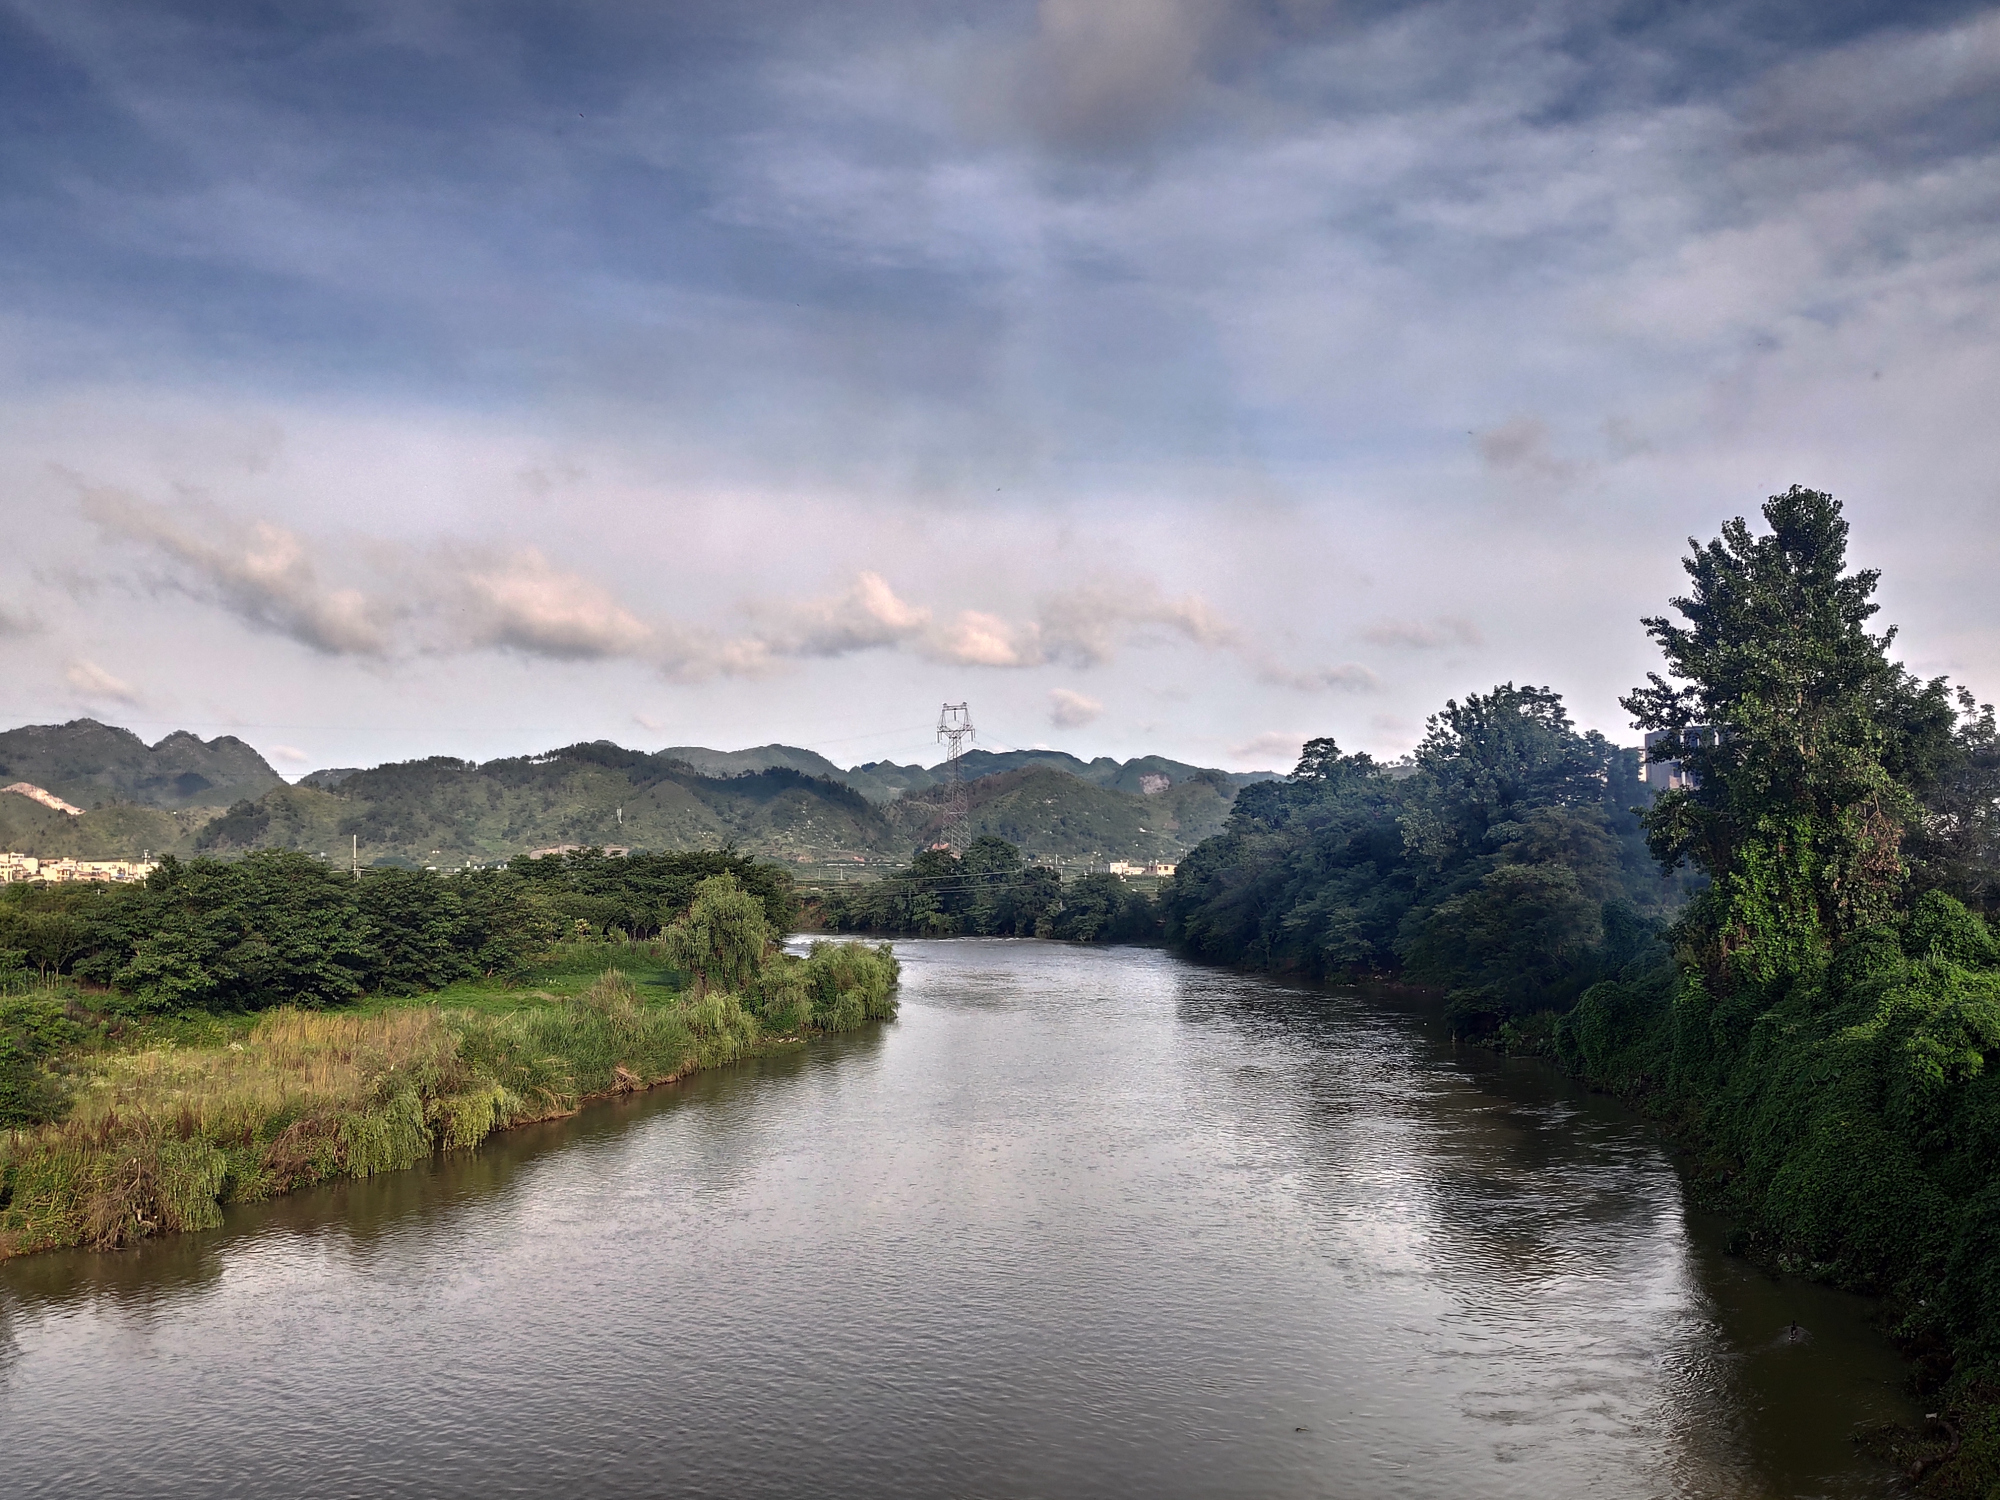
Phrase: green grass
(566, 971)
(164, 1120)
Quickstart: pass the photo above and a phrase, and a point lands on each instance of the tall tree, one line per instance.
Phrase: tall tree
(1788, 713)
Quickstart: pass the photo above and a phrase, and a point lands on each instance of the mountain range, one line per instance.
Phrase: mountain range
(190, 796)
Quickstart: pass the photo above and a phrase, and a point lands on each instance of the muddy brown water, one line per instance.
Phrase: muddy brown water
(1080, 1222)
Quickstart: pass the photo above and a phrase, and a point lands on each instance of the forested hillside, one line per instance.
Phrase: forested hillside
(768, 801)
(88, 763)
(885, 781)
(1049, 814)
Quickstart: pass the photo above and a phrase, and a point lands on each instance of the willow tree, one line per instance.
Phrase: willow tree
(1792, 719)
(722, 937)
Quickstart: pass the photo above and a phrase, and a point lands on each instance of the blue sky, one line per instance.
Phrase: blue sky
(1159, 375)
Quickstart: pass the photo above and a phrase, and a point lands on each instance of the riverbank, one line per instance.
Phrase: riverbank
(1846, 1124)
(171, 1119)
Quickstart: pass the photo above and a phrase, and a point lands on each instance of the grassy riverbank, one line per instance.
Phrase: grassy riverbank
(164, 1120)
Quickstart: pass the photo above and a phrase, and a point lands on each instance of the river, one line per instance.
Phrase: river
(1079, 1222)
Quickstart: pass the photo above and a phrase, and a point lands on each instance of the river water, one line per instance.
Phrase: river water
(1079, 1222)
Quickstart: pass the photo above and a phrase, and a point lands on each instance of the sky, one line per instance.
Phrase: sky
(1184, 377)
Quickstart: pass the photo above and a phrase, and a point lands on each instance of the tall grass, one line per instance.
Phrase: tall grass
(160, 1137)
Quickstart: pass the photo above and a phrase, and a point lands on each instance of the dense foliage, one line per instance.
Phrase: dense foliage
(1829, 1033)
(1819, 1018)
(989, 891)
(1503, 864)
(279, 928)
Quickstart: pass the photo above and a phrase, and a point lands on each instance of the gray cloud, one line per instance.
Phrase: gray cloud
(1347, 677)
(259, 573)
(1277, 303)
(1072, 710)
(92, 682)
(1279, 746)
(1424, 635)
(1523, 449)
(1100, 74)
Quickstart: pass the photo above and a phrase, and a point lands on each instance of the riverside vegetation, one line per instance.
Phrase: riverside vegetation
(1787, 959)
(253, 1028)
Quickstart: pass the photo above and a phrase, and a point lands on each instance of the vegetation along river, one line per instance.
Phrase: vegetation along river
(1081, 1221)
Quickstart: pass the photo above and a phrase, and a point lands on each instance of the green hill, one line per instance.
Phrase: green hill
(112, 830)
(444, 811)
(87, 763)
(775, 801)
(759, 758)
(885, 781)
(1053, 815)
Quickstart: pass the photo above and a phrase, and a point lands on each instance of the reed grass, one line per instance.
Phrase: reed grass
(161, 1134)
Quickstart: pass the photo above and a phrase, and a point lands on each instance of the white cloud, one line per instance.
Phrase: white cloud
(92, 681)
(868, 615)
(258, 572)
(290, 754)
(519, 602)
(1072, 710)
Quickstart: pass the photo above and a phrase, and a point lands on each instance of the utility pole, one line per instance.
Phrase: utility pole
(357, 856)
(954, 729)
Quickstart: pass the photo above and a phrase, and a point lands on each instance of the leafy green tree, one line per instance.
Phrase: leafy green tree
(1789, 714)
(1486, 760)
(271, 928)
(722, 938)
(416, 929)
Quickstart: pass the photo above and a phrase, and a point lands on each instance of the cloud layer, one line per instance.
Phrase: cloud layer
(1233, 363)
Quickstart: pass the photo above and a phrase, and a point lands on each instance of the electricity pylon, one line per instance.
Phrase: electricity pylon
(954, 729)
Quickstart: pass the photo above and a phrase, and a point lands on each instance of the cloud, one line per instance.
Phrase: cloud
(258, 572)
(1275, 745)
(1522, 449)
(12, 624)
(1107, 73)
(1085, 625)
(519, 602)
(452, 599)
(1348, 677)
(92, 681)
(868, 615)
(1424, 635)
(290, 754)
(1071, 710)
(975, 638)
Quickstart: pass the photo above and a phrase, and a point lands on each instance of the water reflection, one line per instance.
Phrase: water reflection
(1080, 1222)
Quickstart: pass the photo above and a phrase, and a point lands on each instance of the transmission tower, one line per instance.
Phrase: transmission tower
(953, 731)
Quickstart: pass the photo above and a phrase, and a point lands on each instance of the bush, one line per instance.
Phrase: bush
(32, 1032)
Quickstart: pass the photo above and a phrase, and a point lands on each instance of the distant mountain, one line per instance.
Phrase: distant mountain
(776, 801)
(762, 758)
(1052, 814)
(89, 763)
(884, 781)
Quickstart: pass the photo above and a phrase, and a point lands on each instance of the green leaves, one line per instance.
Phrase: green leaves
(721, 940)
(1788, 713)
